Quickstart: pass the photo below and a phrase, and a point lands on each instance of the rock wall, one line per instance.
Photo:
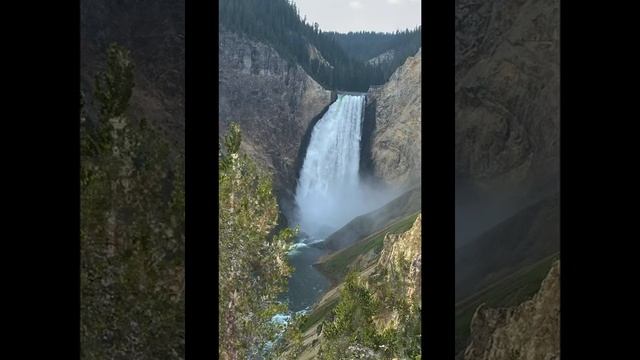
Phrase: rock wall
(529, 331)
(272, 99)
(507, 94)
(397, 140)
(401, 249)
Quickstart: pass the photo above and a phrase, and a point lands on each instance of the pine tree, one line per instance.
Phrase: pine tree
(253, 265)
(113, 88)
(131, 230)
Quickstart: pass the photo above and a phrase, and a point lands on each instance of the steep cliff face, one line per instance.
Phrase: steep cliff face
(401, 263)
(273, 100)
(397, 140)
(529, 331)
(507, 94)
(154, 33)
(507, 140)
(401, 250)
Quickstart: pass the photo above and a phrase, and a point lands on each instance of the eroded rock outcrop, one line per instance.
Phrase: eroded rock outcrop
(529, 331)
(397, 141)
(401, 256)
(400, 265)
(272, 99)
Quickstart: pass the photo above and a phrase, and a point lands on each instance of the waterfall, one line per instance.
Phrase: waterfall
(329, 194)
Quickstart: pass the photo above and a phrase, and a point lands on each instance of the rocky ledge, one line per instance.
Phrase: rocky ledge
(529, 331)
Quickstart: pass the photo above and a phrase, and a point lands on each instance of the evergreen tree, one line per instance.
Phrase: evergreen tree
(278, 23)
(351, 332)
(131, 229)
(113, 88)
(352, 322)
(253, 265)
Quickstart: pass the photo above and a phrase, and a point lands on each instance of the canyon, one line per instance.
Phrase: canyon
(507, 153)
(326, 150)
(273, 100)
(277, 104)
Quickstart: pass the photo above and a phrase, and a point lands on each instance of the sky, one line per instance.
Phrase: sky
(355, 15)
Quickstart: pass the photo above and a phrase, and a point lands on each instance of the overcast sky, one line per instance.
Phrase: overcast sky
(356, 15)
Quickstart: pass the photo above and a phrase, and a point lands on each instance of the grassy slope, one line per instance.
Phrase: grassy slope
(337, 265)
(364, 225)
(527, 237)
(318, 314)
(509, 291)
(350, 243)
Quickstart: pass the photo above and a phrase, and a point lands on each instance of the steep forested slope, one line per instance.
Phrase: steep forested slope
(277, 23)
(385, 51)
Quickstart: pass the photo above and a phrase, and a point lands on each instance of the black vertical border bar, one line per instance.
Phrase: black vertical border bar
(42, 166)
(52, 174)
(438, 190)
(201, 66)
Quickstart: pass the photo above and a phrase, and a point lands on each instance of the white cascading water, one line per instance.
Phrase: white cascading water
(329, 193)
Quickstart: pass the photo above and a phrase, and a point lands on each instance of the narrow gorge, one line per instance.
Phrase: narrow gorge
(358, 184)
(339, 136)
(330, 192)
(334, 156)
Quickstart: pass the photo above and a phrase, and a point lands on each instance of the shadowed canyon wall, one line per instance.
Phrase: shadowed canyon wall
(507, 107)
(272, 99)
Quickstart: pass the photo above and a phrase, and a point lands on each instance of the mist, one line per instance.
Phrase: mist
(478, 210)
(319, 215)
(330, 191)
